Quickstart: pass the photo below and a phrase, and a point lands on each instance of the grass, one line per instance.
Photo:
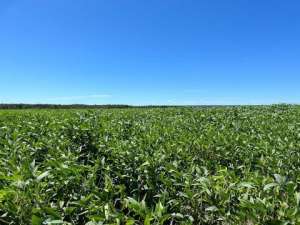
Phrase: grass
(233, 165)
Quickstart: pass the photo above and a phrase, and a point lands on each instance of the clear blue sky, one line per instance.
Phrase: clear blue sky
(150, 51)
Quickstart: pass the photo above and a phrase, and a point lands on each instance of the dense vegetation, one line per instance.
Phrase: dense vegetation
(234, 165)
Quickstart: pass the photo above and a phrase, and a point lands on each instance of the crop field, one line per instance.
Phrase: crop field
(214, 165)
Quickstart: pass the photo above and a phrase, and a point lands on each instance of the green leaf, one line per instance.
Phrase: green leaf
(43, 175)
(147, 163)
(212, 209)
(270, 186)
(297, 197)
(177, 215)
(130, 222)
(52, 212)
(159, 209)
(148, 219)
(4, 194)
(54, 222)
(246, 185)
(280, 179)
(35, 220)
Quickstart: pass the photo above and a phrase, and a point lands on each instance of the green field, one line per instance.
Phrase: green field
(215, 165)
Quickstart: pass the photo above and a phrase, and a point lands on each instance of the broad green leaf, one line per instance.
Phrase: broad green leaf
(35, 220)
(270, 186)
(246, 185)
(43, 175)
(130, 222)
(280, 179)
(211, 209)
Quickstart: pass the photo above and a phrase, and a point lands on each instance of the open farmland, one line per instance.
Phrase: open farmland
(217, 165)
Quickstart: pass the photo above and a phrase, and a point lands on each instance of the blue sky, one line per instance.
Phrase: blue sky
(150, 51)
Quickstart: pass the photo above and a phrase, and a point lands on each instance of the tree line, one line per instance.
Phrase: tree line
(77, 106)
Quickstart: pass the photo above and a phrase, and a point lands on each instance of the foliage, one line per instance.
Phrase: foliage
(217, 165)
